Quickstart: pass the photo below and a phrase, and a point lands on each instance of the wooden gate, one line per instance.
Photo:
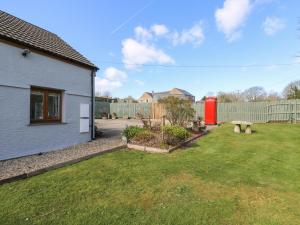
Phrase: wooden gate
(158, 111)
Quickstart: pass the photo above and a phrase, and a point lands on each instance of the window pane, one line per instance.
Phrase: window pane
(53, 105)
(36, 105)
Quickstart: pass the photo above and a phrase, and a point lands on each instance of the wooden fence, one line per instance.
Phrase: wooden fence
(131, 109)
(260, 112)
(101, 107)
(257, 112)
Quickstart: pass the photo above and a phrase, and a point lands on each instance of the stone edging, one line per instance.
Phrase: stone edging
(56, 166)
(160, 150)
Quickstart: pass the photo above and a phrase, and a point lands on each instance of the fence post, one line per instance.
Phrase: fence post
(295, 111)
(268, 113)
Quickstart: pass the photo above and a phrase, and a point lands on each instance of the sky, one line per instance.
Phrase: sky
(201, 46)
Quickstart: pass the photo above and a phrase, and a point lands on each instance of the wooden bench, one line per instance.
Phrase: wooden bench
(238, 124)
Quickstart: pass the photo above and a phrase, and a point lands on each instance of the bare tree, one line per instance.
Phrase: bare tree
(255, 94)
(292, 90)
(223, 97)
(273, 96)
(235, 96)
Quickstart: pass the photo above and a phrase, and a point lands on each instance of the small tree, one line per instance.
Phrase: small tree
(292, 90)
(178, 111)
(255, 94)
(273, 96)
(234, 96)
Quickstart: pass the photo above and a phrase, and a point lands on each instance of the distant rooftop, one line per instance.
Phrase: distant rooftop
(173, 92)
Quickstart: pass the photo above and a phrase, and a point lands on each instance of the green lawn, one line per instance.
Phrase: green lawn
(224, 178)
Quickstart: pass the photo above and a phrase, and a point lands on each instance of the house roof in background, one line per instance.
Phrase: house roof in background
(174, 91)
(24, 33)
(182, 91)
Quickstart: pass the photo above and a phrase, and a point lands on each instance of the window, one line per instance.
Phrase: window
(45, 105)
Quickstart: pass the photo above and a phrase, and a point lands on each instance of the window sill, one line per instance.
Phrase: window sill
(46, 124)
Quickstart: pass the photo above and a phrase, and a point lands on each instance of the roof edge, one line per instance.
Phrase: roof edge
(58, 56)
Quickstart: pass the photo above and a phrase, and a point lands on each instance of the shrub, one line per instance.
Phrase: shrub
(131, 131)
(139, 116)
(178, 111)
(174, 134)
(144, 136)
(104, 114)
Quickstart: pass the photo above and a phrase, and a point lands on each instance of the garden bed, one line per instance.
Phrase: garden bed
(162, 140)
(164, 149)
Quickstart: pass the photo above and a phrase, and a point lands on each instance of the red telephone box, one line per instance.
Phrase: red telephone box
(210, 111)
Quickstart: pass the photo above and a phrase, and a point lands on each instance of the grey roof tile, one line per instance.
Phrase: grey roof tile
(15, 29)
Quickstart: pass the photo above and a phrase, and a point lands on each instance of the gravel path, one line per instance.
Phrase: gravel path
(14, 167)
(27, 164)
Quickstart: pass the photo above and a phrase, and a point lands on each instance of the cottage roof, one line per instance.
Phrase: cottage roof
(31, 36)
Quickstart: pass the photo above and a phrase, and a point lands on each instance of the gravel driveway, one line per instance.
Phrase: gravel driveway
(114, 128)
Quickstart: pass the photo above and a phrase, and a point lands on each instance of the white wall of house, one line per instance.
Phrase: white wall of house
(17, 74)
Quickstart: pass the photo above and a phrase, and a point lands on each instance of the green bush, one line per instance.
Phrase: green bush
(144, 136)
(174, 134)
(178, 111)
(131, 131)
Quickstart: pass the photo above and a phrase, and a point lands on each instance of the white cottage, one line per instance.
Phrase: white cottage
(46, 91)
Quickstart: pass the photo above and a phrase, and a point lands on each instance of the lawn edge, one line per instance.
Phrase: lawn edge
(57, 166)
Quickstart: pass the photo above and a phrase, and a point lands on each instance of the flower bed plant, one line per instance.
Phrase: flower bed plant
(173, 135)
(131, 131)
(179, 114)
(165, 138)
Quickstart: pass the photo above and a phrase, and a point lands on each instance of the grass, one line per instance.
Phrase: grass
(224, 178)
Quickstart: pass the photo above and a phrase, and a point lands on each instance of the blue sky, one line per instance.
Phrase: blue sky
(200, 46)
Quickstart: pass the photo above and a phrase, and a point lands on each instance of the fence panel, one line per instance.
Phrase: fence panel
(260, 112)
(101, 107)
(257, 112)
(130, 109)
(199, 110)
(285, 110)
(297, 110)
(158, 111)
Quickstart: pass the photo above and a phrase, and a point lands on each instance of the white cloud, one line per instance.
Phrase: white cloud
(273, 25)
(136, 54)
(142, 48)
(193, 35)
(232, 16)
(113, 79)
(142, 34)
(104, 85)
(159, 29)
(114, 74)
(139, 82)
